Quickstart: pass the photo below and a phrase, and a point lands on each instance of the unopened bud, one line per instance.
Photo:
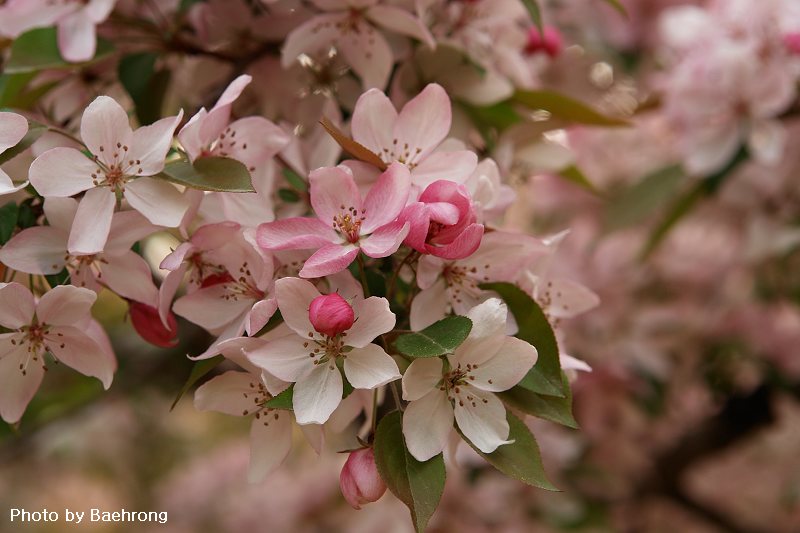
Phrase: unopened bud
(359, 480)
(548, 41)
(148, 325)
(331, 314)
(792, 42)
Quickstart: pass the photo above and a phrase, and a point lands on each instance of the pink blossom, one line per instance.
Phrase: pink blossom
(548, 41)
(792, 42)
(310, 359)
(13, 128)
(345, 223)
(443, 222)
(347, 26)
(330, 314)
(412, 136)
(59, 323)
(360, 481)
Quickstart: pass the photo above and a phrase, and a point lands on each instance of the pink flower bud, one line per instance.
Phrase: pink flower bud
(360, 481)
(331, 314)
(548, 41)
(148, 325)
(792, 42)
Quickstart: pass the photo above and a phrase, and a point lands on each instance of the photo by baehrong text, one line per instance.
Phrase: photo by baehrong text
(91, 515)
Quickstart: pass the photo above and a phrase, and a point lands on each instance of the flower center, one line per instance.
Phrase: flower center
(326, 350)
(348, 223)
(404, 154)
(455, 385)
(116, 173)
(33, 336)
(260, 395)
(241, 287)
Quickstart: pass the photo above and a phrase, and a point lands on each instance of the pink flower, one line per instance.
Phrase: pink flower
(345, 223)
(443, 222)
(59, 323)
(347, 26)
(310, 359)
(548, 41)
(360, 481)
(43, 250)
(13, 128)
(792, 42)
(330, 314)
(412, 136)
(121, 160)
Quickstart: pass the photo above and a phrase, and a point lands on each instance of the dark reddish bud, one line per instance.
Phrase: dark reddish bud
(148, 325)
(331, 314)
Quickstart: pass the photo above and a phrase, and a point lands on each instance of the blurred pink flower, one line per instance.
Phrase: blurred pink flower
(360, 481)
(13, 128)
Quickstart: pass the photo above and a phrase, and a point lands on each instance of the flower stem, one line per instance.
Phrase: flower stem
(374, 409)
(363, 274)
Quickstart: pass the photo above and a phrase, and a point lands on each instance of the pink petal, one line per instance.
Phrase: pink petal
(429, 306)
(443, 212)
(166, 292)
(270, 443)
(401, 21)
(103, 126)
(366, 51)
(17, 389)
(257, 140)
(373, 120)
(13, 128)
(385, 240)
(463, 246)
(150, 145)
(387, 198)
(370, 367)
(334, 193)
(260, 314)
(16, 305)
(373, 318)
(92, 222)
(429, 270)
(130, 276)
(424, 121)
(454, 166)
(328, 260)
(60, 212)
(99, 10)
(231, 393)
(295, 233)
(127, 227)
(157, 200)
(294, 298)
(36, 250)
(189, 135)
(62, 172)
(76, 37)
(80, 352)
(209, 307)
(7, 186)
(218, 117)
(65, 305)
(286, 358)
(418, 218)
(569, 298)
(314, 36)
(318, 394)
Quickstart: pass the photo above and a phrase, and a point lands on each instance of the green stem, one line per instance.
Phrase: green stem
(374, 409)
(363, 274)
(393, 281)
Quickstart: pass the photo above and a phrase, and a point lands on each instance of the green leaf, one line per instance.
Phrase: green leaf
(637, 203)
(35, 130)
(8, 221)
(146, 86)
(535, 12)
(200, 369)
(11, 85)
(58, 279)
(418, 485)
(575, 175)
(558, 410)
(294, 179)
(37, 49)
(616, 4)
(520, 459)
(288, 195)
(545, 376)
(565, 108)
(283, 400)
(210, 174)
(27, 215)
(440, 338)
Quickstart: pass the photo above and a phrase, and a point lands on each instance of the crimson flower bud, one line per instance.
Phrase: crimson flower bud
(148, 325)
(359, 480)
(548, 41)
(331, 314)
(792, 42)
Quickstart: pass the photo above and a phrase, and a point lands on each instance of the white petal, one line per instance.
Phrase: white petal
(421, 377)
(373, 318)
(130, 276)
(157, 200)
(92, 222)
(16, 305)
(370, 367)
(286, 357)
(270, 443)
(231, 393)
(150, 145)
(62, 172)
(481, 417)
(211, 307)
(36, 250)
(294, 298)
(429, 306)
(74, 348)
(17, 389)
(104, 125)
(65, 305)
(317, 395)
(427, 423)
(508, 366)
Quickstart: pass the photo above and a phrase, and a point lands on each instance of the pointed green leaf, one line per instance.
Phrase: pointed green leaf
(200, 369)
(575, 175)
(520, 459)
(294, 179)
(440, 338)
(60, 278)
(146, 85)
(37, 49)
(636, 203)
(220, 174)
(535, 12)
(8, 221)
(616, 4)
(288, 195)
(545, 376)
(283, 400)
(418, 485)
(553, 408)
(565, 108)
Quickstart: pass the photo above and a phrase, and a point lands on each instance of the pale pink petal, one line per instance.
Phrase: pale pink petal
(166, 292)
(17, 388)
(463, 246)
(454, 166)
(260, 314)
(419, 220)
(127, 227)
(373, 318)
(569, 298)
(710, 151)
(231, 393)
(328, 260)
(573, 363)
(294, 298)
(149, 147)
(318, 394)
(312, 37)
(429, 270)
(331, 5)
(65, 305)
(285, 357)
(254, 140)
(130, 276)
(189, 135)
(36, 250)
(216, 120)
(368, 53)
(421, 377)
(209, 307)
(159, 201)
(427, 423)
(334, 193)
(488, 319)
(386, 240)
(387, 198)
(295, 233)
(7, 186)
(77, 40)
(429, 306)
(425, 120)
(373, 119)
(92, 222)
(60, 212)
(13, 128)
(98, 10)
(104, 125)
(80, 352)
(508, 366)
(62, 172)
(370, 367)
(481, 417)
(270, 442)
(16, 305)
(401, 21)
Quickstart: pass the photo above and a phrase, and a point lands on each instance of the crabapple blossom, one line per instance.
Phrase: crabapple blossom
(310, 359)
(359, 480)
(345, 224)
(13, 128)
(58, 323)
(120, 164)
(548, 40)
(462, 386)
